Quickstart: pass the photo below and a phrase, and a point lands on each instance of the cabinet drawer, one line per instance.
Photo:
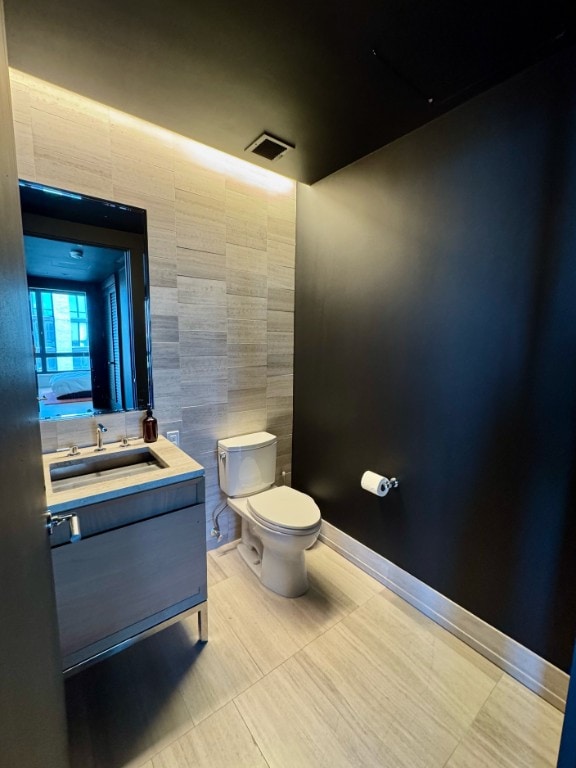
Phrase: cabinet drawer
(113, 581)
(123, 510)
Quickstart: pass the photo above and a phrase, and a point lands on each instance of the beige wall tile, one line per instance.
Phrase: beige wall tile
(150, 179)
(245, 283)
(212, 419)
(245, 422)
(200, 442)
(139, 145)
(204, 368)
(246, 355)
(246, 259)
(203, 392)
(246, 220)
(280, 343)
(165, 328)
(279, 420)
(243, 331)
(211, 266)
(280, 386)
(221, 257)
(281, 321)
(203, 317)
(282, 230)
(25, 151)
(20, 95)
(281, 299)
(247, 399)
(280, 252)
(249, 377)
(200, 222)
(67, 105)
(280, 277)
(167, 384)
(163, 300)
(280, 365)
(72, 155)
(165, 354)
(282, 206)
(190, 177)
(162, 271)
(196, 290)
(200, 343)
(248, 307)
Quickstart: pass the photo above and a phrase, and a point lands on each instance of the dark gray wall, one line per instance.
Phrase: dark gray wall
(567, 756)
(436, 341)
(32, 718)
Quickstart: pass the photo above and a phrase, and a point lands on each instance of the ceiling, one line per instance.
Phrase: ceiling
(64, 260)
(337, 80)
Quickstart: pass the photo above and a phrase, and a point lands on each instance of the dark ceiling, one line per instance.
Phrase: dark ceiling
(337, 80)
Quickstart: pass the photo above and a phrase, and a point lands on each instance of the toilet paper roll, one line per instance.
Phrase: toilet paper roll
(377, 484)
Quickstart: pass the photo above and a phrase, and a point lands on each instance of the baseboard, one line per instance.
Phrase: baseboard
(519, 662)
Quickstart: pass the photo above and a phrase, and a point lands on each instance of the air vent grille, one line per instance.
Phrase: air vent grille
(269, 147)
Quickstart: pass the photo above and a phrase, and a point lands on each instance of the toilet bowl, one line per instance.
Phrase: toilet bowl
(273, 550)
(278, 523)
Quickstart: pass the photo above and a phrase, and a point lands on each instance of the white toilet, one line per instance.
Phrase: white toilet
(278, 523)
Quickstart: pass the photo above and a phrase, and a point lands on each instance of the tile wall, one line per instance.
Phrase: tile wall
(221, 247)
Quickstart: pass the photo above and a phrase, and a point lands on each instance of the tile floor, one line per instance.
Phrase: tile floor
(347, 675)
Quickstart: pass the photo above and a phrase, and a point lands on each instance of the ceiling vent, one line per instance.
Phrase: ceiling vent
(269, 147)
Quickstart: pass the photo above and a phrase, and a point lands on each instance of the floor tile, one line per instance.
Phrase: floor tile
(515, 729)
(220, 741)
(295, 724)
(418, 694)
(346, 675)
(327, 569)
(245, 610)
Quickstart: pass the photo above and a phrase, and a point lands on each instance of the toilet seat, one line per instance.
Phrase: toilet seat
(285, 510)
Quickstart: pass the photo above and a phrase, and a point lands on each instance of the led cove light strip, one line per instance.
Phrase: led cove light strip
(210, 158)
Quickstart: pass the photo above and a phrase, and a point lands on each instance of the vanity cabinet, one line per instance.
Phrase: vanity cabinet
(140, 565)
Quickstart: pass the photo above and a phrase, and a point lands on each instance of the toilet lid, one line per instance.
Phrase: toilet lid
(286, 508)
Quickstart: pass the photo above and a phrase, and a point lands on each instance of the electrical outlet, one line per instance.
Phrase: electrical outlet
(174, 436)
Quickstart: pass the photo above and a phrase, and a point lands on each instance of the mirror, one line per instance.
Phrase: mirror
(88, 287)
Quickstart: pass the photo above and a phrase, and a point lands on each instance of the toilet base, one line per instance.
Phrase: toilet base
(283, 572)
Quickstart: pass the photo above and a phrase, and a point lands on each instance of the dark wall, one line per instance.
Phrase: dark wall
(567, 756)
(436, 341)
(32, 717)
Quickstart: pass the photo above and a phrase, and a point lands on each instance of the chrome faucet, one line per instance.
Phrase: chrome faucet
(100, 429)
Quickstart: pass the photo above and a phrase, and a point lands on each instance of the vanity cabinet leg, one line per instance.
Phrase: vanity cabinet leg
(203, 623)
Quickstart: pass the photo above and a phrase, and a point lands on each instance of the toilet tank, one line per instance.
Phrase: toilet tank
(247, 463)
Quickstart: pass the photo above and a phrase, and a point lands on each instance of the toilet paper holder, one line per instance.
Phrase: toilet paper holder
(378, 484)
(392, 482)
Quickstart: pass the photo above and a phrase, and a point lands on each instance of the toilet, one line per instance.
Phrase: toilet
(278, 523)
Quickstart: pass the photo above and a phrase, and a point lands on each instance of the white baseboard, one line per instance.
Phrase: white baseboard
(519, 662)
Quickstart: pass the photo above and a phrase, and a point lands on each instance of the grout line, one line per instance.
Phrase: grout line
(252, 736)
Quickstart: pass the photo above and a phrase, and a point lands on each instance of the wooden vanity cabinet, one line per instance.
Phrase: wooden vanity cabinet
(141, 564)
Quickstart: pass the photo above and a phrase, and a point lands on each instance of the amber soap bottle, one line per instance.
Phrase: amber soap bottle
(150, 427)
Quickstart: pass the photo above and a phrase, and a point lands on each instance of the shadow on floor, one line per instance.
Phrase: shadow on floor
(123, 705)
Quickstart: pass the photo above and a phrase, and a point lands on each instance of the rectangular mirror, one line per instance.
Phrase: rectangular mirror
(87, 268)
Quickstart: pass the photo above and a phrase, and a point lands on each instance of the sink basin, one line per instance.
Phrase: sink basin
(102, 467)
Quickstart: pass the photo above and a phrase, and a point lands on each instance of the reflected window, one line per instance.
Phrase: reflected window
(60, 330)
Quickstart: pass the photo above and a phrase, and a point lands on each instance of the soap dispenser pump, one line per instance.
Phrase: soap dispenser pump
(150, 427)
